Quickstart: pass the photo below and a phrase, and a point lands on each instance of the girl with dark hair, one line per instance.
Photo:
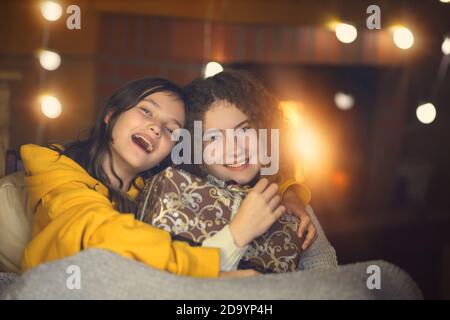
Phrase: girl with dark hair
(83, 192)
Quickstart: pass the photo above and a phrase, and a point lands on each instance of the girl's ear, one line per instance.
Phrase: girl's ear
(107, 117)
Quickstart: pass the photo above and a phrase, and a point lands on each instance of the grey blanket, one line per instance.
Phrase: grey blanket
(105, 275)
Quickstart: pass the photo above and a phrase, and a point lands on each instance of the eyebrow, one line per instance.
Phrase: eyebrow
(148, 99)
(241, 123)
(153, 102)
(235, 127)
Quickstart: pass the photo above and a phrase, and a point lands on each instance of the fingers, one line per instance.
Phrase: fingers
(274, 202)
(296, 210)
(261, 185)
(305, 221)
(310, 237)
(278, 212)
(249, 273)
(270, 192)
(238, 273)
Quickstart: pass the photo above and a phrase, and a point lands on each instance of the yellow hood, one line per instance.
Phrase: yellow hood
(42, 178)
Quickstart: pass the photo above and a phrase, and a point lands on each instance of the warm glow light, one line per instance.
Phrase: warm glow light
(403, 38)
(291, 112)
(50, 106)
(340, 179)
(51, 10)
(344, 101)
(444, 1)
(446, 46)
(426, 113)
(346, 33)
(304, 140)
(212, 68)
(49, 60)
(307, 144)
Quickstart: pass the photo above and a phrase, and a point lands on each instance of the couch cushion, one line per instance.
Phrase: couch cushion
(15, 221)
(6, 279)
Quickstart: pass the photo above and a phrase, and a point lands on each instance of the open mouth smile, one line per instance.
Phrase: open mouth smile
(238, 166)
(142, 142)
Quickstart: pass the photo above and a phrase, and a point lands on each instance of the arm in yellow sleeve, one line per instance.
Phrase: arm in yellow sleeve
(300, 189)
(288, 178)
(73, 217)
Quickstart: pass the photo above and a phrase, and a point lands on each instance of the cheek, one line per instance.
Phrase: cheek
(124, 125)
(249, 145)
(115, 134)
(165, 147)
(213, 151)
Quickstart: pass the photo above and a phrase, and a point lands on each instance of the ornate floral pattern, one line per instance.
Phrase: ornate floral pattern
(196, 209)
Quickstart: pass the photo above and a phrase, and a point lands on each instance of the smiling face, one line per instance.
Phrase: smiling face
(141, 137)
(237, 161)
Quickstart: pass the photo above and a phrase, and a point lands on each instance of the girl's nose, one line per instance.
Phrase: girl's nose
(156, 129)
(239, 145)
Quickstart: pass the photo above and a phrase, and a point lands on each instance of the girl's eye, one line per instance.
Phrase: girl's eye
(214, 138)
(174, 134)
(168, 130)
(146, 111)
(242, 130)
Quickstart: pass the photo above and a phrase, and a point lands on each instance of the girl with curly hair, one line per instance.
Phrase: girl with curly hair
(248, 209)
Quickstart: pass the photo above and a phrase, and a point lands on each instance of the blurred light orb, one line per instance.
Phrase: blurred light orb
(344, 101)
(346, 33)
(426, 113)
(446, 46)
(212, 68)
(340, 179)
(49, 60)
(51, 10)
(403, 38)
(50, 106)
(444, 1)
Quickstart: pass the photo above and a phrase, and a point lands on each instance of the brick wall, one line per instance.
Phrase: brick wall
(135, 46)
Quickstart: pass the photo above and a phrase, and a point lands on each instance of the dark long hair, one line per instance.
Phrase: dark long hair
(91, 151)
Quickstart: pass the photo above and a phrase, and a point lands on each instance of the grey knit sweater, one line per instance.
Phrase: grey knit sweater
(321, 254)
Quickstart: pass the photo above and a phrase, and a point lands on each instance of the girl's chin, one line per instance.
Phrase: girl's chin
(138, 164)
(244, 176)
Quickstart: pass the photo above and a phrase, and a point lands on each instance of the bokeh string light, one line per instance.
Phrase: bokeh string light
(49, 60)
(403, 37)
(304, 143)
(426, 113)
(50, 106)
(51, 10)
(212, 68)
(346, 33)
(344, 101)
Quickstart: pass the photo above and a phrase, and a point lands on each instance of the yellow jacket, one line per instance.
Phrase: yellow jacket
(73, 212)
